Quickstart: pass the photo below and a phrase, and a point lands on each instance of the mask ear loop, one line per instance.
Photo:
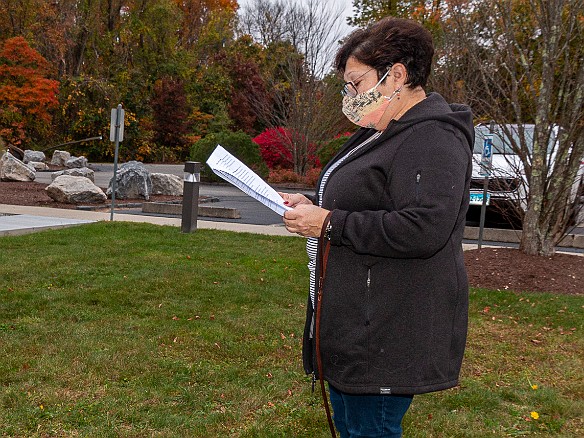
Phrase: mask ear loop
(396, 92)
(383, 77)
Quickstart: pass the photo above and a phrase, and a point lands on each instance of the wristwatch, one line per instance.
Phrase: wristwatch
(328, 230)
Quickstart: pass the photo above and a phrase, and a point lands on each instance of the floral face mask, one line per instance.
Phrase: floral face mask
(366, 109)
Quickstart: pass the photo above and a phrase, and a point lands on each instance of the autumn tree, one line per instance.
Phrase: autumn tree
(171, 117)
(524, 65)
(198, 14)
(300, 41)
(27, 94)
(366, 12)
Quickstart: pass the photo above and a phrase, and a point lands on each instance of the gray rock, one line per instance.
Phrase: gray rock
(35, 156)
(166, 184)
(75, 190)
(12, 169)
(83, 171)
(60, 158)
(76, 162)
(133, 181)
(38, 165)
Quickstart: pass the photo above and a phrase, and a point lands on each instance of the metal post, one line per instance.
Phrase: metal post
(483, 210)
(117, 139)
(190, 204)
(486, 171)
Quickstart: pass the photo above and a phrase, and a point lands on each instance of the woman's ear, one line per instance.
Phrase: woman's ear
(400, 73)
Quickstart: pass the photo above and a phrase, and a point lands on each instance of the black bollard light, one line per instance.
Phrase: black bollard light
(190, 203)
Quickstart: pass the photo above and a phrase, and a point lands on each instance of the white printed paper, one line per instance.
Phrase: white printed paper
(234, 171)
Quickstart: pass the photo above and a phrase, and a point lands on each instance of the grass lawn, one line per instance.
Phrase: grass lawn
(133, 330)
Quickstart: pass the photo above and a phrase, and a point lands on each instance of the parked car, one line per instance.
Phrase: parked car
(507, 186)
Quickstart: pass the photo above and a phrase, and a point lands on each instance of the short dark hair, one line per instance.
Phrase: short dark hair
(389, 41)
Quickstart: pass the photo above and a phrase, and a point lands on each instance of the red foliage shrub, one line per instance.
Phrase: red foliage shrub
(283, 176)
(275, 145)
(278, 176)
(311, 177)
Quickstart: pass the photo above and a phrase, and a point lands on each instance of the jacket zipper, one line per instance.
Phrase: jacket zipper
(418, 177)
(368, 297)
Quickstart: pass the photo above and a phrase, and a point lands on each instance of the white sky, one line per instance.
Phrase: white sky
(346, 4)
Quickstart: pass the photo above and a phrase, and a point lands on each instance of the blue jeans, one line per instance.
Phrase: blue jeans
(358, 416)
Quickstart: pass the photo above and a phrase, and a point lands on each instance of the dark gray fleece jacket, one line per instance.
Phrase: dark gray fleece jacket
(395, 297)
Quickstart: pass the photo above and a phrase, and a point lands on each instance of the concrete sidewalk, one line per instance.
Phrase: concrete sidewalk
(17, 219)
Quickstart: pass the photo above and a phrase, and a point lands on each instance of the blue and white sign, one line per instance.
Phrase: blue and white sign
(487, 156)
(477, 199)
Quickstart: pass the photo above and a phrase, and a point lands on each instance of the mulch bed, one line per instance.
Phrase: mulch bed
(511, 269)
(490, 268)
(34, 194)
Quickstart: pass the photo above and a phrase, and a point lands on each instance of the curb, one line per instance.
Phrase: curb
(176, 210)
(514, 236)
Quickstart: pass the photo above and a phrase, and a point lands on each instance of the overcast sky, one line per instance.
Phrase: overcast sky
(346, 4)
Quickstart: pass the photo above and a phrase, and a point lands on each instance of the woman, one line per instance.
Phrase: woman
(393, 316)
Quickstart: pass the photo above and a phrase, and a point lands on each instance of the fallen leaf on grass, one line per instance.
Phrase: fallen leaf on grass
(536, 341)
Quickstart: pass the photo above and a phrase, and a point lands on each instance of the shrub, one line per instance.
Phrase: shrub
(283, 176)
(237, 143)
(275, 145)
(332, 147)
(279, 176)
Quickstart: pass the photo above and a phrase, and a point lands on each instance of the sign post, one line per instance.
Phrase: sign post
(486, 166)
(116, 135)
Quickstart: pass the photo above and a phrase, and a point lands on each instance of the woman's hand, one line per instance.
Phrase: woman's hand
(305, 220)
(294, 199)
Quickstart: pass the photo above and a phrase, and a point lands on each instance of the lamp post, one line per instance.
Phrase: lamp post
(190, 204)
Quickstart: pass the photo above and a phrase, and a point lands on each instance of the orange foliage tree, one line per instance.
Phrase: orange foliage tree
(27, 95)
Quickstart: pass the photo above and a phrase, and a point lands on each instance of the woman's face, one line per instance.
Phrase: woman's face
(364, 77)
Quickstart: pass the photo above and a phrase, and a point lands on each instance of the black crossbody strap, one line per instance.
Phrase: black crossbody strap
(324, 245)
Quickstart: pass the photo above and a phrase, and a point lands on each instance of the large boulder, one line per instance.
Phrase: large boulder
(60, 158)
(83, 171)
(75, 190)
(34, 156)
(133, 181)
(12, 169)
(76, 162)
(38, 165)
(166, 184)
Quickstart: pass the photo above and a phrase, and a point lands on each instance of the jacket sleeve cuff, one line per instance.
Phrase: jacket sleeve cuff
(337, 221)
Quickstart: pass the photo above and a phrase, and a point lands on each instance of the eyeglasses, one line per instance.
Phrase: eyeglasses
(350, 89)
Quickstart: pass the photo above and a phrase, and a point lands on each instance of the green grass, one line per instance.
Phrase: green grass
(114, 329)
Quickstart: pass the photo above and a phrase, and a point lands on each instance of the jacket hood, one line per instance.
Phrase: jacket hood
(434, 107)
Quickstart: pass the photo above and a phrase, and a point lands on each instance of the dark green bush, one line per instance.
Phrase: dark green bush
(237, 143)
(331, 148)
